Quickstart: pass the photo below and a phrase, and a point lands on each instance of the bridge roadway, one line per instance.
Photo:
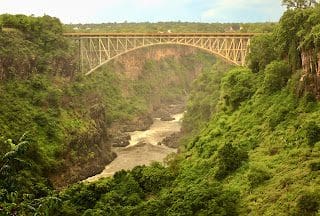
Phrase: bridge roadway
(96, 49)
(105, 34)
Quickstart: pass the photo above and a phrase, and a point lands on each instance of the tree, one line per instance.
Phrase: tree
(290, 33)
(230, 158)
(277, 74)
(299, 3)
(262, 52)
(238, 85)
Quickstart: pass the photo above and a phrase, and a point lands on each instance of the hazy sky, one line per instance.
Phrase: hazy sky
(98, 11)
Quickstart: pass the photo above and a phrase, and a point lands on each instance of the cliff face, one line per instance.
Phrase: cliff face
(311, 72)
(132, 63)
(87, 153)
(311, 62)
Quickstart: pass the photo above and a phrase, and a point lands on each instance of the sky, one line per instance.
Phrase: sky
(103, 11)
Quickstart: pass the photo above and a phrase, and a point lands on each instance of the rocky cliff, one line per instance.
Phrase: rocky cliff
(132, 63)
(310, 79)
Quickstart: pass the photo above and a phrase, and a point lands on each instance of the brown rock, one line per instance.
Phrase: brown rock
(121, 140)
(171, 141)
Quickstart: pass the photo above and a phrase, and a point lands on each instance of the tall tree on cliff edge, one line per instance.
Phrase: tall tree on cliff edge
(299, 3)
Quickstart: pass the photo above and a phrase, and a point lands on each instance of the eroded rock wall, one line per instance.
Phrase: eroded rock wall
(311, 72)
(132, 63)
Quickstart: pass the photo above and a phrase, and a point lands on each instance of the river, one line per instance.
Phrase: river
(143, 148)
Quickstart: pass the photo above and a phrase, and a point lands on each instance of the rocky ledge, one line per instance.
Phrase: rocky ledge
(171, 141)
(165, 113)
(120, 140)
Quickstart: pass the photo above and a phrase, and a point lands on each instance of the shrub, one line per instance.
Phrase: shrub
(315, 166)
(153, 178)
(198, 199)
(276, 77)
(41, 119)
(53, 98)
(308, 102)
(308, 204)
(277, 117)
(262, 52)
(257, 175)
(237, 86)
(38, 83)
(230, 159)
(312, 133)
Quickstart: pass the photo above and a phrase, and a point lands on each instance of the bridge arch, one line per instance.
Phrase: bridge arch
(151, 45)
(96, 50)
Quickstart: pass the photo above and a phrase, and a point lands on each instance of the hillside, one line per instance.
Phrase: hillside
(251, 135)
(260, 157)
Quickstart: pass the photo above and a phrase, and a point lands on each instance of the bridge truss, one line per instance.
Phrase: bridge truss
(96, 49)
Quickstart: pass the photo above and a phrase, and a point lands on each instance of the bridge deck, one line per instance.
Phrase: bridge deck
(160, 34)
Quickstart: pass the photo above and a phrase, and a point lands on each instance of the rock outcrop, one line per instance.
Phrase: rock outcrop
(310, 79)
(87, 153)
(172, 141)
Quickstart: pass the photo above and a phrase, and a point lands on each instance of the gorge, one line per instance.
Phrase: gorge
(249, 140)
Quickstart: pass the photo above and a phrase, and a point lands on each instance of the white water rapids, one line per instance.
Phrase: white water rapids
(143, 154)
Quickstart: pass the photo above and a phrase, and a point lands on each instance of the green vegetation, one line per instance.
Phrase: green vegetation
(237, 86)
(299, 3)
(252, 141)
(262, 52)
(138, 193)
(173, 27)
(204, 97)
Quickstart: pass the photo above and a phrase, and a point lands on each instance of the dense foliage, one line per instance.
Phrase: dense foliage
(253, 147)
(34, 45)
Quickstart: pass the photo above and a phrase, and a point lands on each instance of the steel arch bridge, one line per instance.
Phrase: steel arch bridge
(96, 49)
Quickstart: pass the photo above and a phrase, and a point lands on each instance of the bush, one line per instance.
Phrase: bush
(308, 204)
(257, 175)
(262, 52)
(308, 102)
(237, 86)
(53, 98)
(230, 159)
(315, 166)
(41, 119)
(199, 199)
(312, 133)
(151, 179)
(277, 117)
(276, 77)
